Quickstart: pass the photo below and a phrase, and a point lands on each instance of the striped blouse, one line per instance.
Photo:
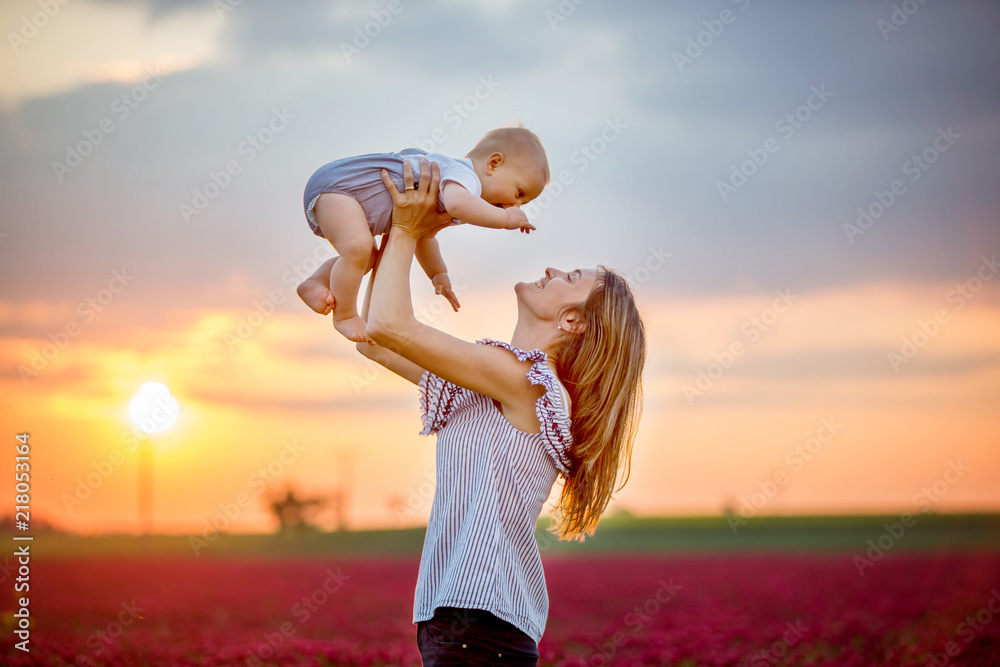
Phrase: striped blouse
(492, 481)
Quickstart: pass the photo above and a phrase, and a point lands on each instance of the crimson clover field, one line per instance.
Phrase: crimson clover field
(777, 606)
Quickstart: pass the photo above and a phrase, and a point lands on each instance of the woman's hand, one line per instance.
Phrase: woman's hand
(414, 212)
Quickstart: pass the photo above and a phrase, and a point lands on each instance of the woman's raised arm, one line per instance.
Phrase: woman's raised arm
(487, 370)
(404, 368)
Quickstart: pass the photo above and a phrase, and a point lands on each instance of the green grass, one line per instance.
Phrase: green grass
(615, 534)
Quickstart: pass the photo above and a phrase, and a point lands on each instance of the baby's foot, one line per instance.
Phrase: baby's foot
(316, 295)
(352, 328)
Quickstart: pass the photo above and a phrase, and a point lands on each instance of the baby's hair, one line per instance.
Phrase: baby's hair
(513, 141)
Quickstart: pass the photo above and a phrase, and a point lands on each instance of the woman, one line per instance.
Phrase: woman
(563, 398)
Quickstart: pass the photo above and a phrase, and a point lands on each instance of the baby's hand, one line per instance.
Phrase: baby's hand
(442, 286)
(516, 219)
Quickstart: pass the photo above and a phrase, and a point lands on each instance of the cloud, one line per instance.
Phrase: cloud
(109, 42)
(656, 184)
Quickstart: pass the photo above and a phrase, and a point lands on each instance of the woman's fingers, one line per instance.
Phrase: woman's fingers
(425, 183)
(390, 186)
(428, 187)
(421, 188)
(415, 209)
(434, 181)
(408, 173)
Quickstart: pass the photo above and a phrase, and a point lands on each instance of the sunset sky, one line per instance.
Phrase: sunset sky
(804, 196)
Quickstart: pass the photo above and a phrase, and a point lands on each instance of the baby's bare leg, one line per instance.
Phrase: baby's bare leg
(344, 224)
(315, 290)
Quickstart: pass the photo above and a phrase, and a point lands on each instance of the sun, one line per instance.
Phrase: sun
(153, 409)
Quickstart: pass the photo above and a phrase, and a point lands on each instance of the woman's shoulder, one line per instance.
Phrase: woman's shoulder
(439, 400)
(540, 373)
(552, 408)
(534, 356)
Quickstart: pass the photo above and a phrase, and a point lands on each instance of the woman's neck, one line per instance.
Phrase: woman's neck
(536, 336)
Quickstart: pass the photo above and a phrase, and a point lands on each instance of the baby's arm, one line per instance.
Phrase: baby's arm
(428, 254)
(473, 210)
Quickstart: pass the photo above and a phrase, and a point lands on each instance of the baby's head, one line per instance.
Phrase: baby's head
(511, 165)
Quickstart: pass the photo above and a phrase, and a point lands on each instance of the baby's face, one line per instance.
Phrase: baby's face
(514, 183)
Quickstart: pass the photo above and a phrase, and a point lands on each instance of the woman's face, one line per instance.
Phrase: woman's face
(548, 295)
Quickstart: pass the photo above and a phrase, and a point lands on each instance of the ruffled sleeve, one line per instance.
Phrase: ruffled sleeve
(549, 408)
(438, 398)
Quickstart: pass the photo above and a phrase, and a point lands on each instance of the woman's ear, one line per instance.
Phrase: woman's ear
(493, 161)
(571, 321)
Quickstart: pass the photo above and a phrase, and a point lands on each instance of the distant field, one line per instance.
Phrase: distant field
(616, 534)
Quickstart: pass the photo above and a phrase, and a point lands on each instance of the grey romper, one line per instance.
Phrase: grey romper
(360, 177)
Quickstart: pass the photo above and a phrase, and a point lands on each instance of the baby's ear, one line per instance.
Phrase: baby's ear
(494, 160)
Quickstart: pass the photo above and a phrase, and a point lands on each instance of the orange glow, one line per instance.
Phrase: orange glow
(292, 380)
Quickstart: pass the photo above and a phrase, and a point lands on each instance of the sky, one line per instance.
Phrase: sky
(803, 196)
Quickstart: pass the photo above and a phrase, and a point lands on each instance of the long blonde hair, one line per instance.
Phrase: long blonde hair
(601, 368)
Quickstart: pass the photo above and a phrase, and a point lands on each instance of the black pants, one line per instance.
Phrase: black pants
(473, 637)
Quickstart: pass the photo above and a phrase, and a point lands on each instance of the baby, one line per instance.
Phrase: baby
(346, 203)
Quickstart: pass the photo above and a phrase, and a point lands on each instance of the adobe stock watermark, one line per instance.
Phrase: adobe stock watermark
(775, 653)
(915, 167)
(656, 259)
(303, 610)
(927, 329)
(635, 619)
(257, 482)
(99, 640)
(460, 111)
(373, 368)
(416, 498)
(299, 271)
(973, 625)
(225, 7)
(247, 325)
(581, 158)
(796, 459)
(369, 31)
(562, 12)
(121, 109)
(898, 17)
(751, 329)
(104, 468)
(786, 126)
(310, 604)
(698, 43)
(32, 25)
(923, 501)
(87, 310)
(248, 150)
